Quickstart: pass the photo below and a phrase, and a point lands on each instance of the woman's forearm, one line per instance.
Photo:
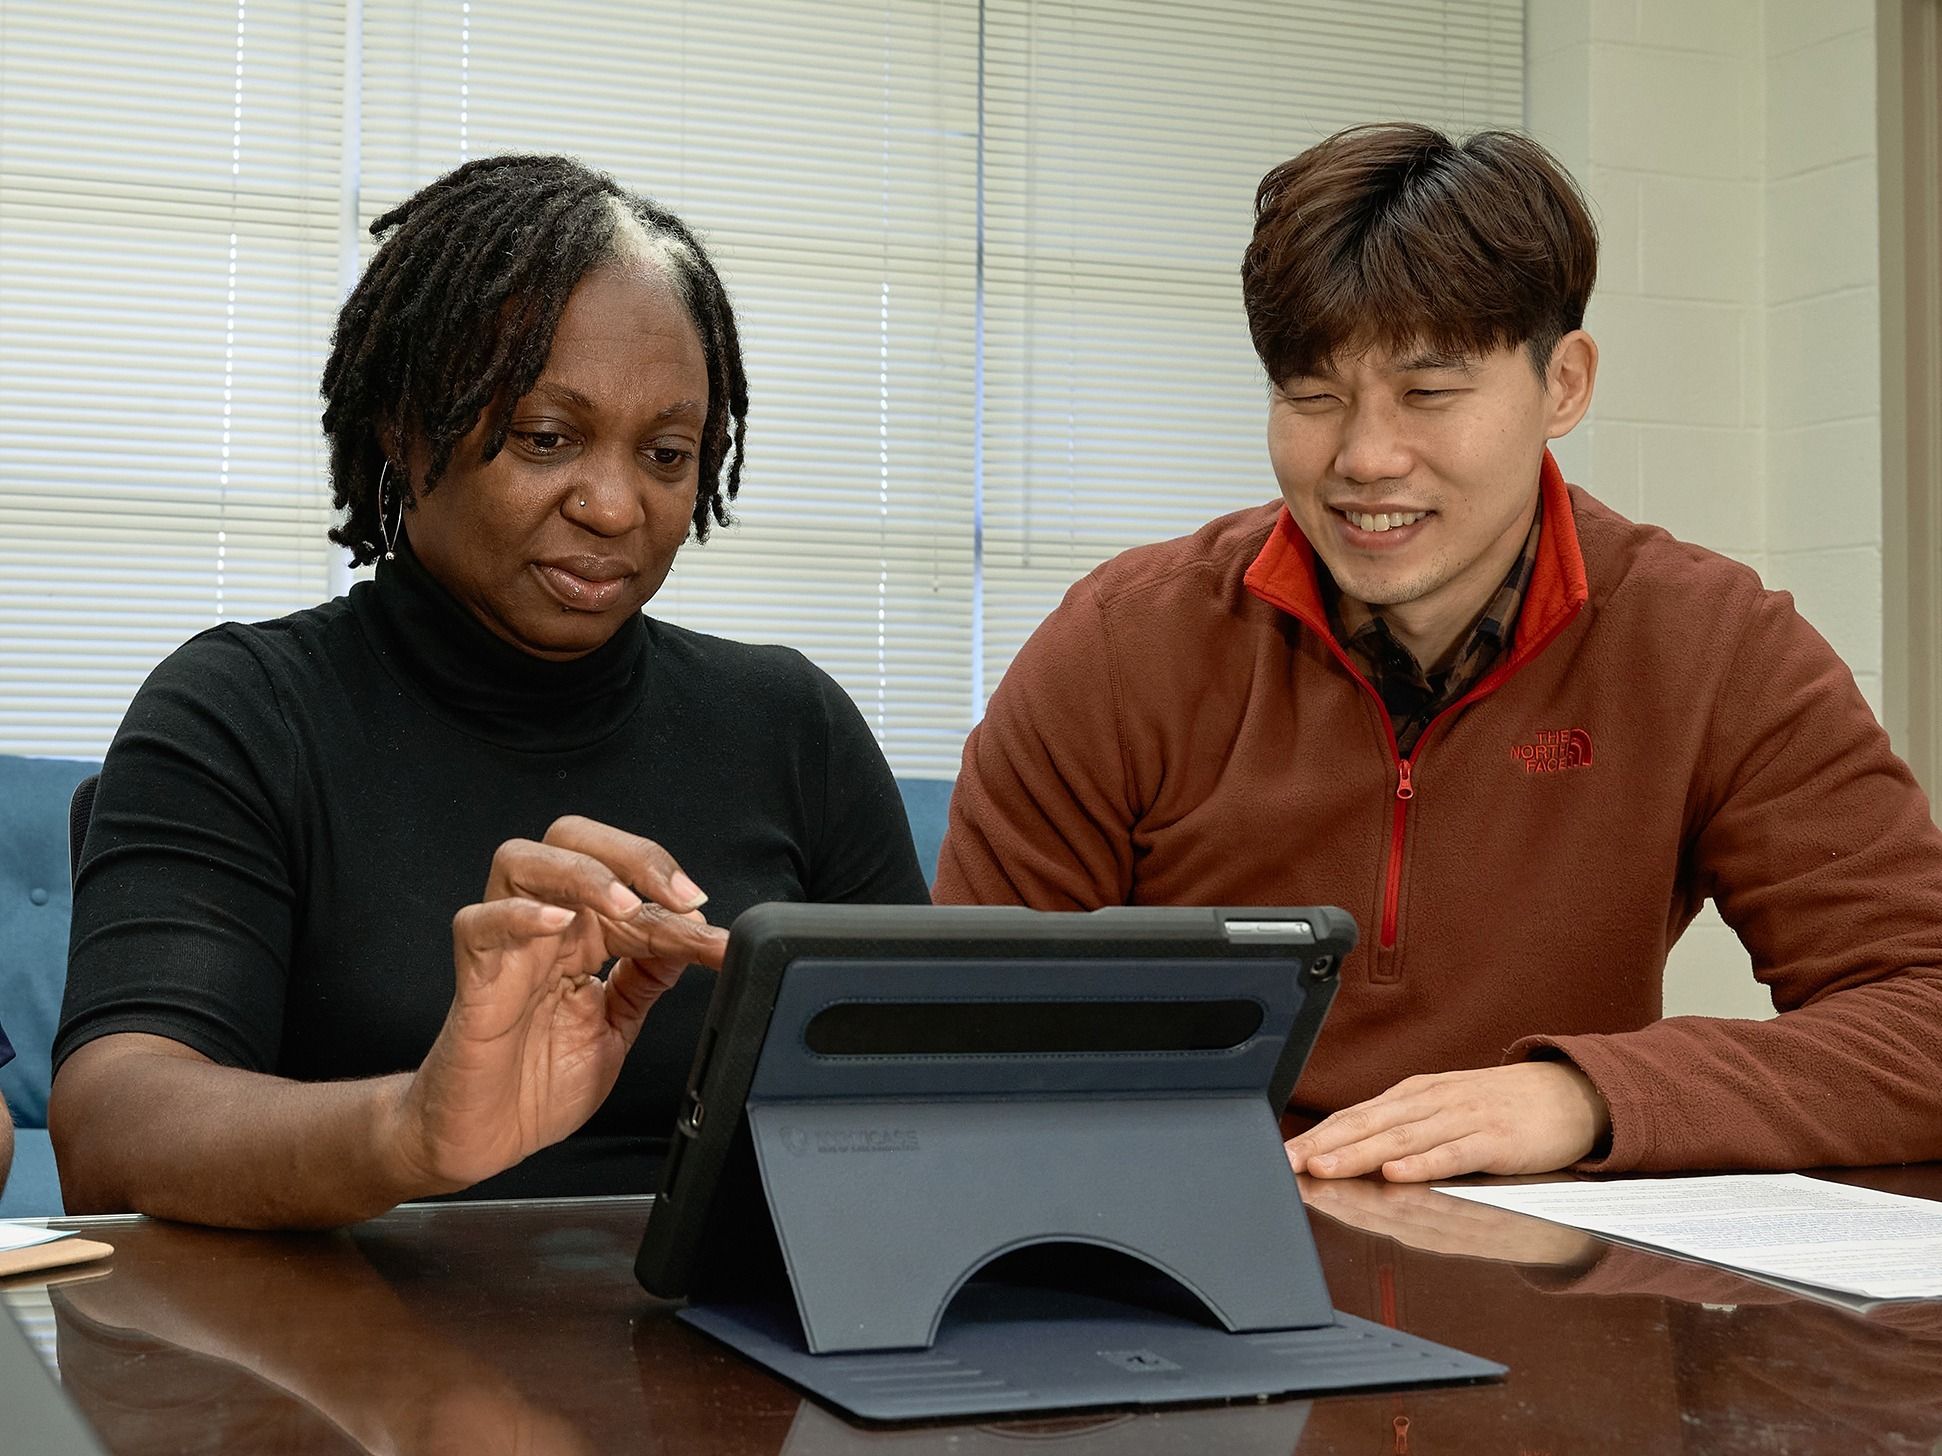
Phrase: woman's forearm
(6, 1143)
(532, 1044)
(143, 1124)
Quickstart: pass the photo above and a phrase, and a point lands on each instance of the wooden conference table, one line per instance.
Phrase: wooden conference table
(518, 1327)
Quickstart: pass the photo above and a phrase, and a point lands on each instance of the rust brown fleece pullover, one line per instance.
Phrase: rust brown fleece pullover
(1183, 730)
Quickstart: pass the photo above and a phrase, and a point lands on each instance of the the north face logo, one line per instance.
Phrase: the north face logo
(1553, 751)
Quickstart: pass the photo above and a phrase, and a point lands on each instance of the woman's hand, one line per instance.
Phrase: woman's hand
(536, 1035)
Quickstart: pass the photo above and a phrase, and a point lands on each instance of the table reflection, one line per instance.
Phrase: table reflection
(1614, 1348)
(1271, 1429)
(519, 1329)
(304, 1344)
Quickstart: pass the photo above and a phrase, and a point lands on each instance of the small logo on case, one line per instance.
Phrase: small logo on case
(1138, 1362)
(849, 1140)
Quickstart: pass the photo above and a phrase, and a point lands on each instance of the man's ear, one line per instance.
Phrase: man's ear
(1568, 382)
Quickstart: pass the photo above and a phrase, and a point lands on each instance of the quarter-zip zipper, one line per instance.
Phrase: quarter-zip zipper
(1392, 885)
(1405, 791)
(1405, 764)
(1406, 788)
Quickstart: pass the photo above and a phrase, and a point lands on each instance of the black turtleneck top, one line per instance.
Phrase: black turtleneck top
(292, 812)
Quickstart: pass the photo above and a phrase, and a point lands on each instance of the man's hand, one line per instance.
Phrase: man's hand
(1530, 1117)
(1423, 1218)
(535, 1037)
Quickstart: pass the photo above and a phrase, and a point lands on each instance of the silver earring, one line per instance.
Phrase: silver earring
(385, 530)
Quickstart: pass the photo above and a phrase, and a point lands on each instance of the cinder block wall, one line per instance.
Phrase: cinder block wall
(1728, 147)
(1823, 304)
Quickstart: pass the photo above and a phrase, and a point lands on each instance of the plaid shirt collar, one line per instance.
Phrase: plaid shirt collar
(1413, 696)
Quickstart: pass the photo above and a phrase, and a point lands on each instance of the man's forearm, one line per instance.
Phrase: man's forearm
(180, 1137)
(1849, 1080)
(6, 1143)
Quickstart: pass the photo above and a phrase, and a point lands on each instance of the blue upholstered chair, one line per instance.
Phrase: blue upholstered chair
(926, 802)
(34, 906)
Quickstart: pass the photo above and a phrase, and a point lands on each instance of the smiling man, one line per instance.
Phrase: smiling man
(1521, 738)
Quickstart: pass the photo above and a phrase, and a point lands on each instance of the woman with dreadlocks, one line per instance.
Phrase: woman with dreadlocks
(273, 1018)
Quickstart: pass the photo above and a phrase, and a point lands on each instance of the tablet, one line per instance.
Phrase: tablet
(964, 1001)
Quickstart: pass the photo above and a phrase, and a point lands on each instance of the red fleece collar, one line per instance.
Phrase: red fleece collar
(1283, 575)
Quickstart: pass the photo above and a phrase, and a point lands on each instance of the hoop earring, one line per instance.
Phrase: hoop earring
(386, 532)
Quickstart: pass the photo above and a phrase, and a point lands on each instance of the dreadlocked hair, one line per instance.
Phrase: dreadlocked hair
(454, 319)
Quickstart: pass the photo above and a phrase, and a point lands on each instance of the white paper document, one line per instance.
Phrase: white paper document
(1782, 1227)
(25, 1236)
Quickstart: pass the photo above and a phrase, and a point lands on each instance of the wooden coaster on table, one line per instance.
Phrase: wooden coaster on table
(55, 1254)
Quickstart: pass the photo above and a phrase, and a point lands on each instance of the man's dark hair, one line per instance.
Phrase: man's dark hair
(454, 317)
(1394, 236)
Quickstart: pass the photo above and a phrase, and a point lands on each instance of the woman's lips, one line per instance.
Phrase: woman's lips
(583, 593)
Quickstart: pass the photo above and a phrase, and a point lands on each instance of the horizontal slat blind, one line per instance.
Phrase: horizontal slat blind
(170, 265)
(168, 272)
(1124, 141)
(827, 153)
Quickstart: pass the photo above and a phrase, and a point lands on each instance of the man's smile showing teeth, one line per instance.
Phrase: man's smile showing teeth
(1384, 521)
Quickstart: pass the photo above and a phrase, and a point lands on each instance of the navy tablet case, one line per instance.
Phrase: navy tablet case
(1079, 1110)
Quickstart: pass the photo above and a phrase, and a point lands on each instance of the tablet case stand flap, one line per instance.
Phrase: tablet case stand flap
(1003, 1352)
(885, 1210)
(1138, 1230)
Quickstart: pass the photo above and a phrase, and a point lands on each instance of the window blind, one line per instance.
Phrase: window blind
(984, 256)
(1124, 141)
(827, 154)
(168, 273)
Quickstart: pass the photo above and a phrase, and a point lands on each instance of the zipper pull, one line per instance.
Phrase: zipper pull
(1403, 790)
